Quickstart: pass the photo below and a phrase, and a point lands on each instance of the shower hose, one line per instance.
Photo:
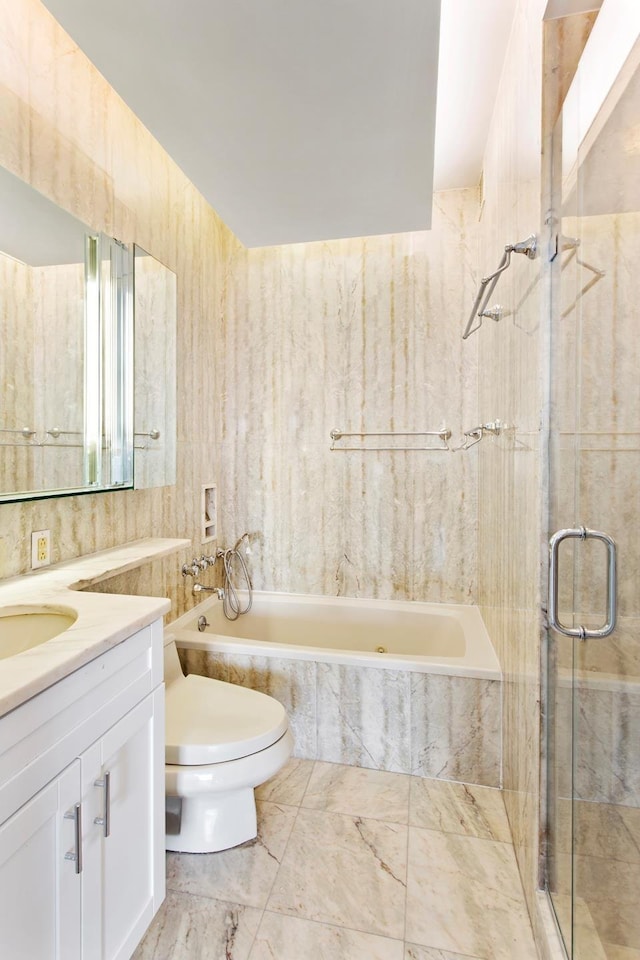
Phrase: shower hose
(232, 606)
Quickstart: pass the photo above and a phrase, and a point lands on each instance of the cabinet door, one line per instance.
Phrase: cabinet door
(123, 780)
(40, 887)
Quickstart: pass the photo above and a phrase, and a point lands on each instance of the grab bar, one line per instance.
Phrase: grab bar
(488, 284)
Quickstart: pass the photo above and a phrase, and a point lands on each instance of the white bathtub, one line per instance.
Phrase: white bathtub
(420, 637)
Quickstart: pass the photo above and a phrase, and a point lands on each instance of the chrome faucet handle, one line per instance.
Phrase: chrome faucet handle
(201, 562)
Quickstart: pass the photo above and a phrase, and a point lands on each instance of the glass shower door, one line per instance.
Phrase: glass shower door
(593, 870)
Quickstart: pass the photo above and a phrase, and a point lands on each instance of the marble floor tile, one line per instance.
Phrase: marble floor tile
(464, 895)
(415, 952)
(198, 928)
(344, 870)
(244, 874)
(288, 938)
(358, 792)
(288, 786)
(575, 921)
(615, 952)
(459, 808)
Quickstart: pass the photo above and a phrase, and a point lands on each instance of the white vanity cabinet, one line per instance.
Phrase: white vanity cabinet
(82, 809)
(40, 893)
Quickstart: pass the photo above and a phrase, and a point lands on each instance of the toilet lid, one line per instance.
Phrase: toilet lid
(209, 721)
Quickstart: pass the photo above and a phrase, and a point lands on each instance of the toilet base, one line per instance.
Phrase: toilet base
(211, 822)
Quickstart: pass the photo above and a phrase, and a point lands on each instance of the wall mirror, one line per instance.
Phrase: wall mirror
(87, 356)
(66, 355)
(155, 372)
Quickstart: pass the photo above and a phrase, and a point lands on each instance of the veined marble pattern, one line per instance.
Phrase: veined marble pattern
(336, 884)
(473, 902)
(430, 725)
(364, 716)
(198, 928)
(366, 793)
(354, 334)
(459, 808)
(455, 728)
(360, 875)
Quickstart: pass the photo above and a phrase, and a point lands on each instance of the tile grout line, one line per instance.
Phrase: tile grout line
(281, 861)
(406, 889)
(337, 926)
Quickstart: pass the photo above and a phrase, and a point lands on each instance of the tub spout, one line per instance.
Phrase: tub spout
(200, 588)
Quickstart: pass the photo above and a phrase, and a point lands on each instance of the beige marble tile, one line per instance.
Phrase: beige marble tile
(199, 928)
(357, 792)
(415, 952)
(288, 938)
(363, 717)
(615, 952)
(464, 895)
(244, 874)
(358, 877)
(352, 334)
(460, 808)
(455, 728)
(288, 786)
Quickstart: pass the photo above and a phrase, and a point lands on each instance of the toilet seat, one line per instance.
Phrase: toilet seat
(209, 721)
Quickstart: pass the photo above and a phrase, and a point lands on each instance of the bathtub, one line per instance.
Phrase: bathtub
(391, 685)
(425, 637)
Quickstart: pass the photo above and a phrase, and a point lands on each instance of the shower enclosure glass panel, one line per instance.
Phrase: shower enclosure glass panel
(593, 867)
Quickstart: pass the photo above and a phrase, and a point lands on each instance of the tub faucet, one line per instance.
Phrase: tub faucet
(200, 588)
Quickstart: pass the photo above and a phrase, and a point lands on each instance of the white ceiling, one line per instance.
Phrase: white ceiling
(306, 119)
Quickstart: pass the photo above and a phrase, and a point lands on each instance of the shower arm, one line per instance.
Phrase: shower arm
(488, 284)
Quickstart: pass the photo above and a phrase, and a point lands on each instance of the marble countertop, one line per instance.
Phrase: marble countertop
(103, 620)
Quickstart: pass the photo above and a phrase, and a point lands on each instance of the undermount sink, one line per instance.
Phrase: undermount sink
(23, 627)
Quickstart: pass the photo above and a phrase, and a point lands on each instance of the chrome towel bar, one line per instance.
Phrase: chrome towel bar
(444, 435)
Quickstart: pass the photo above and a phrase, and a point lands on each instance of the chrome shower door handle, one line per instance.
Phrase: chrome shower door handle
(583, 633)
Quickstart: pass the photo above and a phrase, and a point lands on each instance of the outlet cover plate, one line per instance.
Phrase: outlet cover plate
(40, 548)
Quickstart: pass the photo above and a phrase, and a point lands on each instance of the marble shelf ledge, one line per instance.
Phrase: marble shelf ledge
(103, 620)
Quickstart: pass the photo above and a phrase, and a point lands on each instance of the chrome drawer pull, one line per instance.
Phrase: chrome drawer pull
(76, 855)
(105, 819)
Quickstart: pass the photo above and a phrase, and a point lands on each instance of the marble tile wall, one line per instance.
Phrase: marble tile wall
(16, 310)
(155, 349)
(423, 724)
(357, 334)
(58, 348)
(511, 369)
(65, 131)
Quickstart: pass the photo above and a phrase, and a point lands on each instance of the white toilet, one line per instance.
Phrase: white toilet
(222, 741)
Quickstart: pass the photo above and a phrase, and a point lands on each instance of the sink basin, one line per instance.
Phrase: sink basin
(23, 627)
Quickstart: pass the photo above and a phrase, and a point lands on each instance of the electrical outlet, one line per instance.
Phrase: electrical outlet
(40, 548)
